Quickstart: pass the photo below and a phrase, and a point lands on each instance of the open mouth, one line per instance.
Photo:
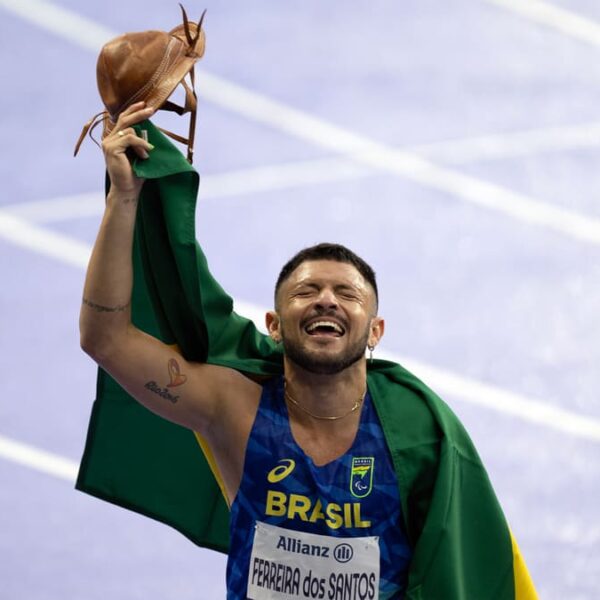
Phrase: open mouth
(325, 327)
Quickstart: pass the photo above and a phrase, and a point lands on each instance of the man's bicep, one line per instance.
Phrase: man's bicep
(158, 377)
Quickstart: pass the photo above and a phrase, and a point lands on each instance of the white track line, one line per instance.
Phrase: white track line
(44, 241)
(63, 22)
(234, 183)
(560, 19)
(571, 224)
(513, 144)
(407, 165)
(506, 402)
(56, 210)
(282, 176)
(324, 134)
(40, 460)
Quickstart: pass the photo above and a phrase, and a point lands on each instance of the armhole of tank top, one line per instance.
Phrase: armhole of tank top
(265, 390)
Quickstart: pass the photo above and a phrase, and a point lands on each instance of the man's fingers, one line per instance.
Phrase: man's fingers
(134, 114)
(134, 107)
(118, 134)
(121, 139)
(117, 140)
(119, 144)
(123, 136)
(140, 147)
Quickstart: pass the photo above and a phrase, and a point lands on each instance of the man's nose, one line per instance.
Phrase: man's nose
(327, 298)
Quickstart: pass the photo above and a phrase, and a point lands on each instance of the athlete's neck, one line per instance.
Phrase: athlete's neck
(325, 395)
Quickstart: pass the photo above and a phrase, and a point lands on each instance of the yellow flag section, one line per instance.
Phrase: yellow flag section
(210, 459)
(524, 589)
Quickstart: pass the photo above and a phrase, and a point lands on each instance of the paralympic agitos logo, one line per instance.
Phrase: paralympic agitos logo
(361, 476)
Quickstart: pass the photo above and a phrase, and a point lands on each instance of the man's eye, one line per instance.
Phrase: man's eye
(348, 296)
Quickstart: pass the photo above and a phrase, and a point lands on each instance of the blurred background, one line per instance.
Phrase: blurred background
(452, 144)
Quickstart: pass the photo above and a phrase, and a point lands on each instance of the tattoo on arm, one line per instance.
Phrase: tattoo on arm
(176, 378)
(175, 374)
(108, 309)
(126, 200)
(162, 392)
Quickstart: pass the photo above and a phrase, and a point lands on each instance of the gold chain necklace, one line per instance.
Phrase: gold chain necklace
(295, 402)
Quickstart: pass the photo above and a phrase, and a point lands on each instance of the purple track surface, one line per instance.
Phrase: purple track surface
(487, 251)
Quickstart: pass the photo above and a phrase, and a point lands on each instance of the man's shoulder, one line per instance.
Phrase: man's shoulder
(400, 390)
(411, 410)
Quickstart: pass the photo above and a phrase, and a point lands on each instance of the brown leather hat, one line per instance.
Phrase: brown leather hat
(148, 66)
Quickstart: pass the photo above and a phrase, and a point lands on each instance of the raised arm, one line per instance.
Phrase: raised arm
(105, 314)
(152, 372)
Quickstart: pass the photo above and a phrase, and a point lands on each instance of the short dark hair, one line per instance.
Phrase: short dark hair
(326, 251)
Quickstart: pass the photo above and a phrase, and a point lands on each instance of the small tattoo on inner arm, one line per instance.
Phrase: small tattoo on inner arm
(108, 309)
(130, 200)
(175, 374)
(176, 378)
(162, 392)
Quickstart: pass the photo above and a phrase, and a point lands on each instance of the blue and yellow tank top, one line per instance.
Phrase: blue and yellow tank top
(306, 509)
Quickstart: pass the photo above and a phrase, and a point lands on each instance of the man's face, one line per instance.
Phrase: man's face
(325, 316)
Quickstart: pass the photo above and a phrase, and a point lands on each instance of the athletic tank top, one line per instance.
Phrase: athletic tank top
(289, 515)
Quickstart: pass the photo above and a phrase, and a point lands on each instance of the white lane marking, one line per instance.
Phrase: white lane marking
(65, 23)
(512, 144)
(55, 210)
(560, 19)
(484, 395)
(40, 460)
(281, 176)
(494, 197)
(221, 185)
(503, 401)
(44, 241)
(359, 148)
(408, 165)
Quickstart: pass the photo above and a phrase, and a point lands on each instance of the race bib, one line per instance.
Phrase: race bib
(290, 565)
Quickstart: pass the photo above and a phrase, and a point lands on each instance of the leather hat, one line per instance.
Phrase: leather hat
(148, 66)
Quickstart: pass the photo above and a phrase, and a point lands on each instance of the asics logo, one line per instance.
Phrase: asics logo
(281, 471)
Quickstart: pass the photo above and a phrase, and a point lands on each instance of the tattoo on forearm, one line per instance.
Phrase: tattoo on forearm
(108, 309)
(162, 392)
(130, 200)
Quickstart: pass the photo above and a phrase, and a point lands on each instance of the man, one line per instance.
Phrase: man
(341, 484)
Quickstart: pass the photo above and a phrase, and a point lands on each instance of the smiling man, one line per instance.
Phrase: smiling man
(345, 478)
(334, 477)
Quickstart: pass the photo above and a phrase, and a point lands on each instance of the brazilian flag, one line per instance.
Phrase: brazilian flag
(462, 546)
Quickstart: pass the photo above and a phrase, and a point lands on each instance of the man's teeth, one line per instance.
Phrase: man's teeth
(329, 324)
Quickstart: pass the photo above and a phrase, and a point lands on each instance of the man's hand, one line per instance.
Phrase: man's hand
(115, 146)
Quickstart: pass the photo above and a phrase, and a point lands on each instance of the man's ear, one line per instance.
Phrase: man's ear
(377, 329)
(273, 324)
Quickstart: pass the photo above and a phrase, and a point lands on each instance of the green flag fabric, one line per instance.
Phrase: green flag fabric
(462, 546)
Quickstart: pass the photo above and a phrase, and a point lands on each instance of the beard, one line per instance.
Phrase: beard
(324, 364)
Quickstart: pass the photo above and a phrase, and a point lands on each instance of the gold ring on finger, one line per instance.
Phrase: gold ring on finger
(120, 133)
